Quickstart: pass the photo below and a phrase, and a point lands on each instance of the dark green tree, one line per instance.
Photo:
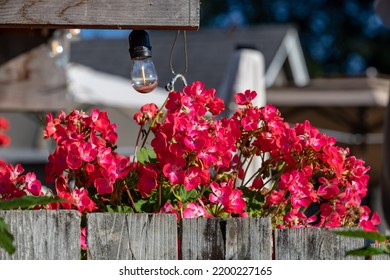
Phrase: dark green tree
(338, 37)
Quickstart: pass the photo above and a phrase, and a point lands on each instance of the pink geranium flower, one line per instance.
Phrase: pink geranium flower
(245, 98)
(193, 210)
(193, 162)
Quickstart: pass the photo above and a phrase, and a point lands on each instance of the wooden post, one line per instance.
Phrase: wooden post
(102, 14)
(113, 236)
(230, 239)
(43, 235)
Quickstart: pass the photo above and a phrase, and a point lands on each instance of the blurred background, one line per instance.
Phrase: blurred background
(338, 37)
(324, 61)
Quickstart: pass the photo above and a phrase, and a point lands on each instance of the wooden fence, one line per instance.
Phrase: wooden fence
(51, 235)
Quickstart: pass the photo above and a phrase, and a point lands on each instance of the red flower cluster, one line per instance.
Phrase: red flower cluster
(197, 165)
(84, 163)
(14, 184)
(4, 125)
(304, 179)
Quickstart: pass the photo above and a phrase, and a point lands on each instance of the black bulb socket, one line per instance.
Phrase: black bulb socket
(139, 44)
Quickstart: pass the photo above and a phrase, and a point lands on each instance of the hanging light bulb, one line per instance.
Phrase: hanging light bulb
(143, 74)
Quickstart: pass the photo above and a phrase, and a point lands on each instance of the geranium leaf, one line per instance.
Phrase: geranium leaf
(187, 196)
(119, 209)
(6, 238)
(140, 205)
(366, 251)
(27, 201)
(370, 235)
(146, 154)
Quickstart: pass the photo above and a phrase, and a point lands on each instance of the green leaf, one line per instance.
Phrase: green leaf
(119, 209)
(367, 251)
(370, 235)
(6, 238)
(187, 196)
(27, 201)
(141, 205)
(146, 154)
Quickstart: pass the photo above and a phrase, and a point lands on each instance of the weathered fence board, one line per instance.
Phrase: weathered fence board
(43, 235)
(381, 256)
(132, 236)
(205, 239)
(51, 235)
(313, 244)
(104, 14)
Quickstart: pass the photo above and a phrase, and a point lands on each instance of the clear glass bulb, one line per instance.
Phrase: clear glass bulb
(143, 75)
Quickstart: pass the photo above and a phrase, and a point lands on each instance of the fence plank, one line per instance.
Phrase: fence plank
(43, 235)
(113, 236)
(234, 238)
(203, 239)
(249, 239)
(313, 244)
(380, 257)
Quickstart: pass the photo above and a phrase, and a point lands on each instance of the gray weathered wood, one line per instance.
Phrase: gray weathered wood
(104, 14)
(313, 244)
(203, 239)
(380, 257)
(233, 238)
(249, 239)
(113, 236)
(43, 235)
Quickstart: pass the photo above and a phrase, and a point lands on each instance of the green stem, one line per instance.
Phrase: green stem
(246, 171)
(136, 144)
(153, 122)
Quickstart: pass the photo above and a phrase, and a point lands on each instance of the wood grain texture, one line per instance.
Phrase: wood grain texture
(203, 239)
(103, 14)
(313, 244)
(231, 239)
(249, 239)
(43, 235)
(379, 257)
(132, 236)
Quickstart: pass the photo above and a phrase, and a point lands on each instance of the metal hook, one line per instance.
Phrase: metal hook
(170, 85)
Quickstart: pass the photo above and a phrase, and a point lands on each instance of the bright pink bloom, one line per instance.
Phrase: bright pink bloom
(328, 188)
(174, 102)
(82, 201)
(83, 238)
(103, 186)
(297, 219)
(193, 210)
(87, 151)
(251, 119)
(245, 98)
(366, 223)
(32, 184)
(168, 208)
(147, 181)
(229, 197)
(216, 106)
(4, 124)
(73, 158)
(173, 170)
